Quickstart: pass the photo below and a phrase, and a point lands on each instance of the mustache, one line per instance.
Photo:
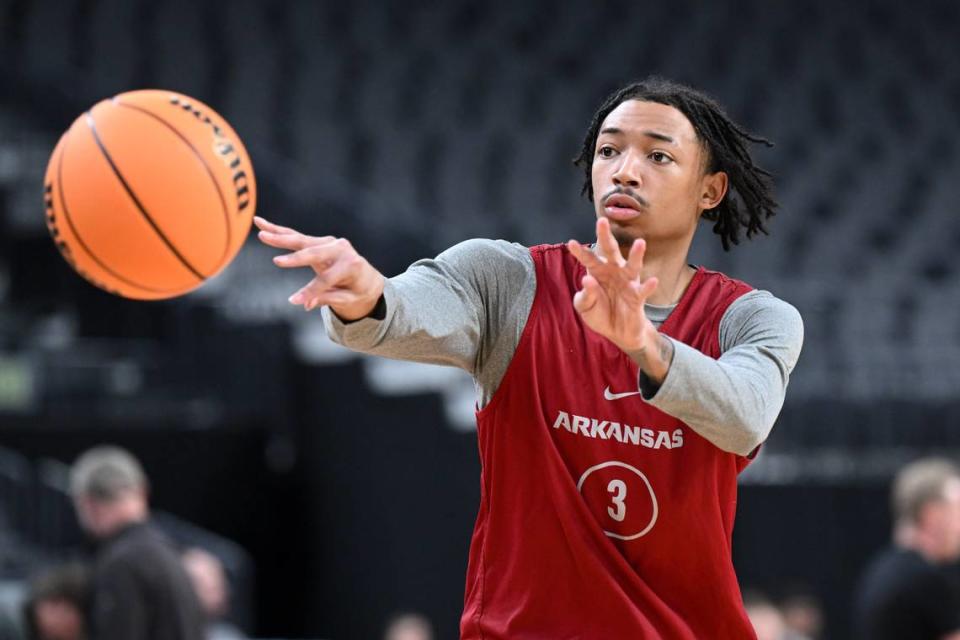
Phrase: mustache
(627, 192)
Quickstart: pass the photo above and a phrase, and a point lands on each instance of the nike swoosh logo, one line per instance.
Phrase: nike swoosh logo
(617, 396)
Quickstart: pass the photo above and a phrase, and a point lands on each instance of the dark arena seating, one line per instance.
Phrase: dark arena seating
(410, 126)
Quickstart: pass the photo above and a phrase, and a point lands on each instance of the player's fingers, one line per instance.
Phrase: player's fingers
(580, 302)
(575, 248)
(607, 243)
(336, 275)
(304, 294)
(331, 297)
(584, 256)
(635, 257)
(646, 288)
(312, 293)
(586, 298)
(292, 241)
(318, 256)
(316, 294)
(265, 225)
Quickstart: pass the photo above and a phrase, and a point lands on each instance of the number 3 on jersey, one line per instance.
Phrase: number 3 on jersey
(621, 499)
(619, 490)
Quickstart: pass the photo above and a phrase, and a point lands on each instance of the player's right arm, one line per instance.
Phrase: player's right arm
(465, 308)
(343, 279)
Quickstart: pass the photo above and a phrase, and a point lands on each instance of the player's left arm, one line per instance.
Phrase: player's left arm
(734, 400)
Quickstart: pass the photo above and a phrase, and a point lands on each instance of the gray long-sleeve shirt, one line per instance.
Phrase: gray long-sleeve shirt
(467, 308)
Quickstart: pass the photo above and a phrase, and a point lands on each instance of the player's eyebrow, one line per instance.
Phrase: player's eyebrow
(656, 135)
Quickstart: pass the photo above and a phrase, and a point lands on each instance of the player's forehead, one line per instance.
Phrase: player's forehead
(640, 118)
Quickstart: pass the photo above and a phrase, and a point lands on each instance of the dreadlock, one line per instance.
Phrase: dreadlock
(725, 143)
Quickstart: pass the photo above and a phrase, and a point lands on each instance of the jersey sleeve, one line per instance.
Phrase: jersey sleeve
(734, 400)
(464, 308)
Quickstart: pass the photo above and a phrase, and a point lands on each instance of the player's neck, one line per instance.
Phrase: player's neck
(672, 272)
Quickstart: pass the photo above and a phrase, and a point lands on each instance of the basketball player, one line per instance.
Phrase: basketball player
(620, 390)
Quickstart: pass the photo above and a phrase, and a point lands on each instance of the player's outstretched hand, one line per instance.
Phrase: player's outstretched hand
(613, 294)
(343, 279)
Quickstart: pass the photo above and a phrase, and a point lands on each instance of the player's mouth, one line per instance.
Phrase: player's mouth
(621, 207)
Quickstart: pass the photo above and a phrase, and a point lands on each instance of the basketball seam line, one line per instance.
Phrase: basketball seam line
(93, 128)
(76, 233)
(213, 179)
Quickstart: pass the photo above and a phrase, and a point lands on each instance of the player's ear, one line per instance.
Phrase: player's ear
(713, 187)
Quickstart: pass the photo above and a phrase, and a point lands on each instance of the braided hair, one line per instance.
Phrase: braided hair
(749, 201)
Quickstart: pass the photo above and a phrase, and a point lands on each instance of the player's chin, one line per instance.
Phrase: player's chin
(625, 241)
(624, 233)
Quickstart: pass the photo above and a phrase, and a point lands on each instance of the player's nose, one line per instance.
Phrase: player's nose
(627, 173)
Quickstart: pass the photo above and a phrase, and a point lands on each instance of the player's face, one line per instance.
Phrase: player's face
(648, 175)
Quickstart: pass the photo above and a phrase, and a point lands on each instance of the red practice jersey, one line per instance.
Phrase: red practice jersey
(601, 517)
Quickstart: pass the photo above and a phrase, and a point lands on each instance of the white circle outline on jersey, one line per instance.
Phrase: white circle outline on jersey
(653, 497)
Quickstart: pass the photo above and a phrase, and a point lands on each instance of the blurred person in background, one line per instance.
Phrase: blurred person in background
(57, 603)
(210, 583)
(612, 461)
(906, 591)
(765, 617)
(408, 626)
(139, 588)
(803, 615)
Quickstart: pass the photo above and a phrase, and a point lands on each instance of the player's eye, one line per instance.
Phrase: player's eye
(660, 157)
(606, 151)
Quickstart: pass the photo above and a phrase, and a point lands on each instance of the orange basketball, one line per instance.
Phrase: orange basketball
(148, 194)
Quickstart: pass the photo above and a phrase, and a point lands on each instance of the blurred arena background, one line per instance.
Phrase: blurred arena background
(339, 490)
